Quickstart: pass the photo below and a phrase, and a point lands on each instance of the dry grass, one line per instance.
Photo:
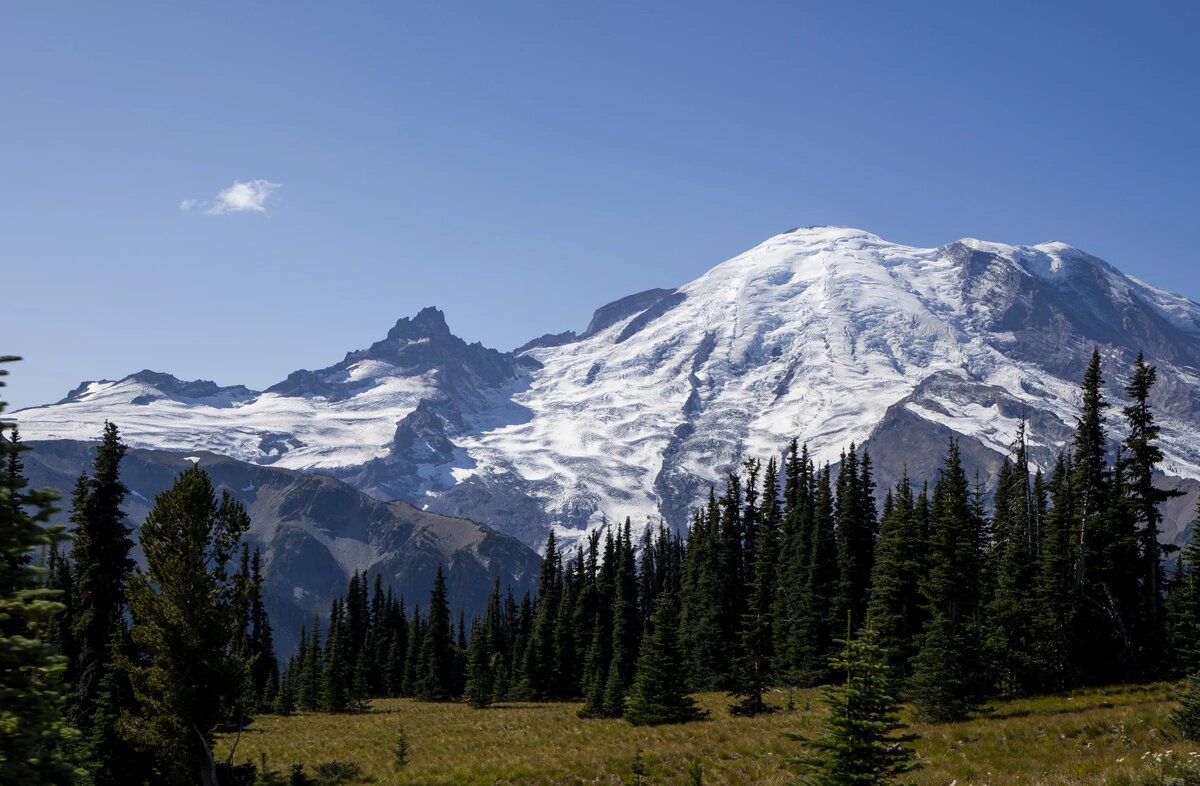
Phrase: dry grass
(1095, 737)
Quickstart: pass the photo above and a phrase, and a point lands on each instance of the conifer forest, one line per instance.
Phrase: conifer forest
(128, 657)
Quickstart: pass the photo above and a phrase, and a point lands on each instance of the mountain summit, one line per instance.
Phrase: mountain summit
(829, 334)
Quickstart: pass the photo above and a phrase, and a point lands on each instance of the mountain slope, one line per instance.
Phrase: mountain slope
(315, 531)
(829, 334)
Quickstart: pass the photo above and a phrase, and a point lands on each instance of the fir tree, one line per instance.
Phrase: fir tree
(182, 608)
(1183, 608)
(436, 659)
(894, 611)
(31, 701)
(860, 745)
(657, 694)
(701, 632)
(626, 631)
(480, 658)
(752, 667)
(948, 677)
(1012, 606)
(100, 568)
(1142, 459)
(1186, 717)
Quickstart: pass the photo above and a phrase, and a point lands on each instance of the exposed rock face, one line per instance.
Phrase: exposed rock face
(829, 334)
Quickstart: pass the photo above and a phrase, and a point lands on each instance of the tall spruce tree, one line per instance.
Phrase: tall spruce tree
(101, 562)
(657, 695)
(626, 633)
(435, 678)
(860, 745)
(31, 701)
(948, 674)
(183, 620)
(894, 611)
(1142, 457)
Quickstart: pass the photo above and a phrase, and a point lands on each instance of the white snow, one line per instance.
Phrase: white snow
(812, 334)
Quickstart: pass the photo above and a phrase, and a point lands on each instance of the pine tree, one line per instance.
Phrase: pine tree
(182, 608)
(480, 660)
(1186, 717)
(31, 701)
(1012, 606)
(1183, 608)
(626, 631)
(752, 668)
(948, 676)
(701, 631)
(336, 694)
(540, 666)
(265, 666)
(1142, 459)
(860, 745)
(657, 695)
(818, 601)
(894, 611)
(100, 568)
(436, 660)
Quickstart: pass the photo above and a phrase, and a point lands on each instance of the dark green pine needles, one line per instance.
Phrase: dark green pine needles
(657, 695)
(860, 746)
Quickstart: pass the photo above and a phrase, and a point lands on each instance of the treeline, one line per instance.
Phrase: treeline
(115, 674)
(1058, 583)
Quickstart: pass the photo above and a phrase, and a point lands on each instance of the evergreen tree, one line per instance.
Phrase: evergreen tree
(948, 676)
(752, 668)
(856, 528)
(1012, 606)
(1186, 717)
(860, 745)
(336, 694)
(540, 676)
(412, 670)
(436, 659)
(701, 632)
(626, 631)
(34, 732)
(100, 568)
(264, 666)
(1183, 608)
(111, 758)
(182, 608)
(894, 611)
(1056, 590)
(657, 693)
(818, 600)
(480, 661)
(1142, 459)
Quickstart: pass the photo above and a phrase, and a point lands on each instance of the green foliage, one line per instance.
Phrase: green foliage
(657, 695)
(860, 745)
(33, 732)
(637, 768)
(1186, 719)
(100, 568)
(190, 678)
(434, 668)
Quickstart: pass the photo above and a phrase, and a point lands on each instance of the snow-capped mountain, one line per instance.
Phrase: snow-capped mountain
(829, 334)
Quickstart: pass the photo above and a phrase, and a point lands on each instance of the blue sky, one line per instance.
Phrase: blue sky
(519, 164)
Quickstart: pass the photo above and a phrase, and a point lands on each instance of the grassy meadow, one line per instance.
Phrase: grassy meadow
(1089, 737)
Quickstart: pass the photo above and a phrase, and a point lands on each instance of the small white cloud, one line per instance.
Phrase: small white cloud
(248, 196)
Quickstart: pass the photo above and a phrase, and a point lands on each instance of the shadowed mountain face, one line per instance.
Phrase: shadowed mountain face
(829, 334)
(315, 531)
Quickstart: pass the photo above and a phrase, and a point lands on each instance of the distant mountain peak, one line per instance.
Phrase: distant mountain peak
(830, 334)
